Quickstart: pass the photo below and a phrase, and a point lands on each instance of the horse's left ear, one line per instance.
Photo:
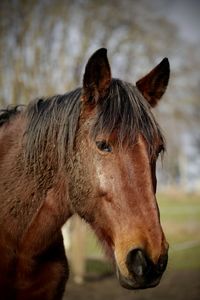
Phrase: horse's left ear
(97, 77)
(153, 85)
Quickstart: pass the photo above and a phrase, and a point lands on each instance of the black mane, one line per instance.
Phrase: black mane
(126, 111)
(53, 122)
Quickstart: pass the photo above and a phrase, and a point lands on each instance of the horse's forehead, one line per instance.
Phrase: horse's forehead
(142, 143)
(139, 151)
(139, 145)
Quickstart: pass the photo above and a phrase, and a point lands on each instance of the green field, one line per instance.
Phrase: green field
(180, 217)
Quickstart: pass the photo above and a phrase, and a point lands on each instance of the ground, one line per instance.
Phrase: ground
(176, 285)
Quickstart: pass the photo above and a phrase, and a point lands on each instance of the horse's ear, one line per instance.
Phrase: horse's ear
(153, 85)
(97, 77)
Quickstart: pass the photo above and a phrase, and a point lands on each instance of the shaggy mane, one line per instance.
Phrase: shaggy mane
(53, 122)
(126, 110)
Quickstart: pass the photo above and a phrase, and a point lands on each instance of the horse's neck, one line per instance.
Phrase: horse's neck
(11, 182)
(10, 135)
(21, 198)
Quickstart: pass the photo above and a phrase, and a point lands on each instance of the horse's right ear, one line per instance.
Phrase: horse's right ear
(97, 77)
(153, 85)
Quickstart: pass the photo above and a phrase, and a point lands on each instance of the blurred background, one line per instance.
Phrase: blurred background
(44, 46)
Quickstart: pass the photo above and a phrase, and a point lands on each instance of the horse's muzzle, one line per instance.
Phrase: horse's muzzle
(143, 273)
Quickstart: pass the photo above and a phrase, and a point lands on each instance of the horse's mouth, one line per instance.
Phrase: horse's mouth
(133, 284)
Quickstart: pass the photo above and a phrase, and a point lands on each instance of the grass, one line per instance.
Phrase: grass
(180, 218)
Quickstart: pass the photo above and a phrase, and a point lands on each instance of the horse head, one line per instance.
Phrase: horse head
(113, 182)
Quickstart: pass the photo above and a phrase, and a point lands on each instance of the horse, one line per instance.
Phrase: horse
(92, 152)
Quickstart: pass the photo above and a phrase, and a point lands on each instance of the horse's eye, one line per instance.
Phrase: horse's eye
(104, 146)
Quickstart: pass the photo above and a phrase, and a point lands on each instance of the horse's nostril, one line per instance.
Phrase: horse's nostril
(142, 269)
(143, 272)
(137, 263)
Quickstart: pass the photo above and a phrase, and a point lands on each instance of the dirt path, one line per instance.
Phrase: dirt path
(176, 285)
